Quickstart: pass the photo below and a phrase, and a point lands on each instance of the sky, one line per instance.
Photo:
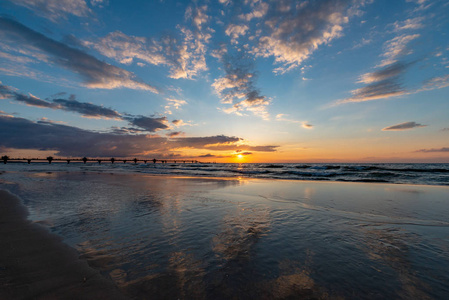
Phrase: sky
(226, 81)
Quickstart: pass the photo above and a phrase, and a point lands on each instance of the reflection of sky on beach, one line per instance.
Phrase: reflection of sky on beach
(248, 239)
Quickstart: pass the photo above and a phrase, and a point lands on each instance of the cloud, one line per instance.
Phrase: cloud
(397, 47)
(382, 84)
(245, 153)
(242, 147)
(258, 10)
(443, 149)
(295, 33)
(393, 70)
(85, 109)
(5, 114)
(52, 121)
(7, 92)
(284, 118)
(56, 9)
(180, 123)
(435, 83)
(72, 141)
(234, 31)
(237, 87)
(95, 73)
(175, 133)
(151, 124)
(183, 53)
(90, 110)
(413, 23)
(125, 49)
(15, 59)
(306, 125)
(173, 104)
(403, 126)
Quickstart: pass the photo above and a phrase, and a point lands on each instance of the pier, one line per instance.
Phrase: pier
(85, 160)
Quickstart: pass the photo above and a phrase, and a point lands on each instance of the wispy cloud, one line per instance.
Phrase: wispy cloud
(397, 47)
(95, 73)
(409, 24)
(381, 84)
(393, 70)
(378, 90)
(173, 103)
(403, 126)
(443, 149)
(386, 83)
(285, 118)
(435, 83)
(55, 10)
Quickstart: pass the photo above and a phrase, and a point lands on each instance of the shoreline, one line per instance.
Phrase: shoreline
(226, 178)
(37, 264)
(409, 174)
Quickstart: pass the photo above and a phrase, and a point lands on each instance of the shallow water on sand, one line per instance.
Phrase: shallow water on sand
(196, 238)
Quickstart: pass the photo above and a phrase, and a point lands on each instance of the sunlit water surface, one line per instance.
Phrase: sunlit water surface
(197, 238)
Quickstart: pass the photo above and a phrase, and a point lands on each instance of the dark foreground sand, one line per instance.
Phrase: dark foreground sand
(35, 264)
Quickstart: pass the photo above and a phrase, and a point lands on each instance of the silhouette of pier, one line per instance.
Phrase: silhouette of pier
(111, 160)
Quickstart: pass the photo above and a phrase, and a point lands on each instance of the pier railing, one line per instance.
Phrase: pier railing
(112, 160)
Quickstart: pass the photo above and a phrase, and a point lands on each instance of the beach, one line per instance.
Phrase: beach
(106, 235)
(35, 264)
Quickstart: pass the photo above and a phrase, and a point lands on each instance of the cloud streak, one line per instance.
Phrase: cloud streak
(442, 150)
(95, 73)
(88, 110)
(397, 47)
(382, 84)
(403, 126)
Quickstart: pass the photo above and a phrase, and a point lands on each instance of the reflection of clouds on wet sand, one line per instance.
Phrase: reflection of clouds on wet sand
(234, 276)
(294, 282)
(391, 247)
(241, 229)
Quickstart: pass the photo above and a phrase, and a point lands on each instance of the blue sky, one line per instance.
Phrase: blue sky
(241, 81)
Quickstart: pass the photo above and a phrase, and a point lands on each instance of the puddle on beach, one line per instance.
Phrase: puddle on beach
(184, 238)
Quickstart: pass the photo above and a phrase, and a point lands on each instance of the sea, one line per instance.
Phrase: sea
(426, 174)
(248, 231)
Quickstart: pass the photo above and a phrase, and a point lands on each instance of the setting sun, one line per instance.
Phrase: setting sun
(239, 156)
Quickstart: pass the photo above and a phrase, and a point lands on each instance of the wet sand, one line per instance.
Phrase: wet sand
(35, 264)
(161, 237)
